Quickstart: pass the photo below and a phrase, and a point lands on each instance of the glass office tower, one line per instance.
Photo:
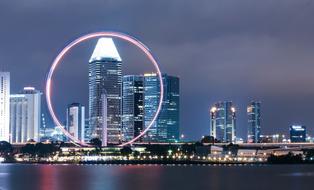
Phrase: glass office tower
(166, 128)
(297, 133)
(132, 106)
(105, 81)
(223, 122)
(254, 122)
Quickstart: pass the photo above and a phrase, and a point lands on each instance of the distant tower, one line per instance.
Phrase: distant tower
(43, 127)
(132, 106)
(166, 128)
(25, 115)
(75, 121)
(87, 132)
(105, 77)
(223, 122)
(5, 106)
(297, 133)
(254, 122)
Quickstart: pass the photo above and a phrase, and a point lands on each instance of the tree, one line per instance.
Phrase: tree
(136, 153)
(290, 158)
(230, 148)
(96, 142)
(309, 154)
(160, 150)
(126, 151)
(31, 141)
(208, 139)
(5, 148)
(40, 149)
(28, 149)
(188, 148)
(43, 150)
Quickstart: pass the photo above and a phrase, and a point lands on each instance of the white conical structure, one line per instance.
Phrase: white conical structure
(105, 48)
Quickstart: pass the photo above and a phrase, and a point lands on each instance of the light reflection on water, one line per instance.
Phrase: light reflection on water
(114, 177)
(299, 174)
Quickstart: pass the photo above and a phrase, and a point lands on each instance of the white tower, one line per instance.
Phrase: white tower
(4, 106)
(76, 121)
(105, 77)
(25, 114)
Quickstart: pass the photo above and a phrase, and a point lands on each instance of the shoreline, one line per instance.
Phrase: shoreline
(161, 163)
(136, 162)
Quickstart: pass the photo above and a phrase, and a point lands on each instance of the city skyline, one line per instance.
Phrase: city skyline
(263, 56)
(137, 95)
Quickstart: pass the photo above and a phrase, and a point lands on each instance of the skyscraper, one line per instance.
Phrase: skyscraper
(223, 122)
(75, 121)
(297, 133)
(4, 106)
(166, 128)
(105, 80)
(254, 122)
(132, 106)
(87, 131)
(25, 115)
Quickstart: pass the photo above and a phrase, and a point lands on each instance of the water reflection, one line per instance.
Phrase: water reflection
(98, 177)
(139, 177)
(299, 174)
(46, 180)
(4, 176)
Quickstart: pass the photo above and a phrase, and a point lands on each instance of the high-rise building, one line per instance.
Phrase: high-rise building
(297, 133)
(4, 106)
(254, 122)
(132, 106)
(223, 122)
(75, 121)
(25, 115)
(105, 80)
(166, 128)
(87, 132)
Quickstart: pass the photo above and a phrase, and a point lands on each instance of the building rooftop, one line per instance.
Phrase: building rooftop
(105, 48)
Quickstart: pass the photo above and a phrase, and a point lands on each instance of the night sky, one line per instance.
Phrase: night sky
(221, 49)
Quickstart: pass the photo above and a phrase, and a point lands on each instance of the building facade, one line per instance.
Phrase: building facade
(132, 106)
(87, 132)
(166, 128)
(5, 106)
(25, 116)
(254, 122)
(297, 133)
(75, 121)
(105, 80)
(223, 122)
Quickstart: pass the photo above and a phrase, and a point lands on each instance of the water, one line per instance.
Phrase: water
(114, 177)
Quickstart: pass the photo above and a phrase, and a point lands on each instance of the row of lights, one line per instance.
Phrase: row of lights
(225, 158)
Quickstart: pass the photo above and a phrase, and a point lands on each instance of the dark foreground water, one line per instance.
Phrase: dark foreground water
(113, 177)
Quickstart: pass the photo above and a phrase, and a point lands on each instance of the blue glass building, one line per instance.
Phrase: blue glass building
(297, 133)
(254, 122)
(132, 106)
(223, 122)
(166, 128)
